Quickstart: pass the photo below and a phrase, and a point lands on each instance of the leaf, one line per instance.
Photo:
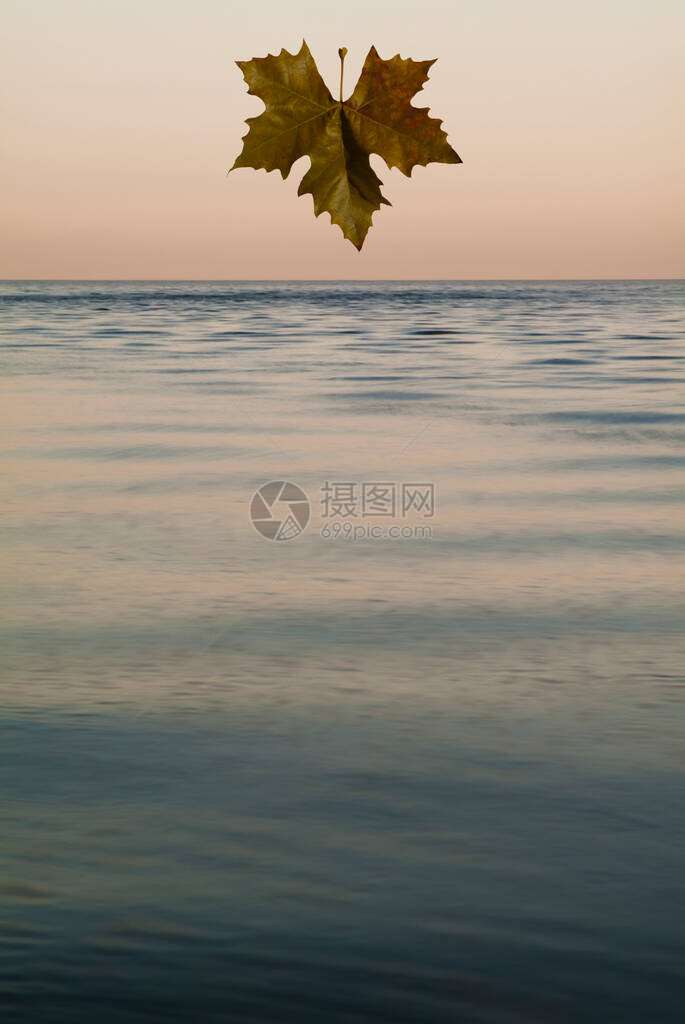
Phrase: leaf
(302, 119)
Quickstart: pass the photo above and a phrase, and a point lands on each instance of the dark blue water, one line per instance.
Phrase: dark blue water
(419, 778)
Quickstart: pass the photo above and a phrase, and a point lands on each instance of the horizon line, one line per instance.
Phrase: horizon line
(321, 280)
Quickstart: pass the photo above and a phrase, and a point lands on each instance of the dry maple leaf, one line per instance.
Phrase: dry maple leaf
(302, 119)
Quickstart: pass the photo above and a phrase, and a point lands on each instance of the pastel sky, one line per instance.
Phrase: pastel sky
(121, 118)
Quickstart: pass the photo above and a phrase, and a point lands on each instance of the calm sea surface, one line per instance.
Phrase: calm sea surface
(342, 778)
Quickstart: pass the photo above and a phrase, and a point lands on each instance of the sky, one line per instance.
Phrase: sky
(122, 118)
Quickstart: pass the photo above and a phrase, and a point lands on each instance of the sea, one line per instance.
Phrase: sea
(341, 648)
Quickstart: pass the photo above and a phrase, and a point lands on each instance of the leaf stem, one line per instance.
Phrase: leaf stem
(342, 53)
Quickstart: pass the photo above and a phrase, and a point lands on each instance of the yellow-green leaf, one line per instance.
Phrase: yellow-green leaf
(302, 119)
